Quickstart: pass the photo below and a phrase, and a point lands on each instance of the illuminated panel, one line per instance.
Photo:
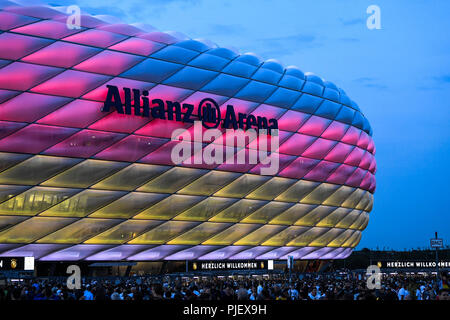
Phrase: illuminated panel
(326, 238)
(209, 183)
(339, 240)
(8, 160)
(169, 207)
(307, 237)
(267, 212)
(200, 233)
(285, 236)
(260, 235)
(339, 196)
(322, 192)
(232, 234)
(298, 191)
(314, 216)
(241, 186)
(172, 180)
(271, 188)
(238, 210)
(205, 209)
(348, 220)
(9, 221)
(7, 192)
(333, 218)
(353, 199)
(164, 232)
(292, 214)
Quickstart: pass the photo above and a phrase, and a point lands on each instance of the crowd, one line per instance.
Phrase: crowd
(299, 287)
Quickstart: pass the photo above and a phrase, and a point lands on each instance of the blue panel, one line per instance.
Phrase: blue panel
(296, 72)
(152, 70)
(328, 109)
(267, 75)
(343, 98)
(223, 53)
(331, 94)
(307, 103)
(358, 120)
(291, 82)
(283, 97)
(355, 106)
(175, 54)
(240, 69)
(313, 88)
(256, 91)
(345, 115)
(225, 85)
(366, 125)
(331, 85)
(250, 59)
(4, 62)
(209, 61)
(191, 78)
(315, 79)
(192, 45)
(273, 65)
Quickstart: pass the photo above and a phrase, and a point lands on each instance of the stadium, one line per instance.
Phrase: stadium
(81, 183)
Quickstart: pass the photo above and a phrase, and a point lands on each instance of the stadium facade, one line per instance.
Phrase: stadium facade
(78, 182)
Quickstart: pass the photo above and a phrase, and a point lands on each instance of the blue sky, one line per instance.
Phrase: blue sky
(399, 76)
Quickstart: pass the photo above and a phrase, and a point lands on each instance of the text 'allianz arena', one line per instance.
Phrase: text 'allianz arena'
(79, 183)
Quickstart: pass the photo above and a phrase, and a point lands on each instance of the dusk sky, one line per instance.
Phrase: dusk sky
(399, 76)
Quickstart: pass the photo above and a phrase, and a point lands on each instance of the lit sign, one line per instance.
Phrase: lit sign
(19, 263)
(228, 265)
(413, 264)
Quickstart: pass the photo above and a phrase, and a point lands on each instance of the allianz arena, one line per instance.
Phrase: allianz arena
(81, 183)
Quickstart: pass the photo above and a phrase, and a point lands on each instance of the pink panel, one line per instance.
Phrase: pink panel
(354, 158)
(28, 107)
(109, 62)
(371, 146)
(339, 152)
(298, 168)
(292, 120)
(356, 178)
(240, 106)
(314, 126)
(19, 45)
(96, 38)
(34, 138)
(78, 114)
(268, 111)
(192, 161)
(131, 148)
(163, 154)
(47, 29)
(9, 20)
(87, 21)
(352, 136)
(366, 160)
(7, 94)
(22, 76)
(322, 171)
(373, 166)
(364, 140)
(296, 144)
(6, 128)
(138, 46)
(159, 37)
(235, 167)
(162, 128)
(117, 122)
(335, 131)
(51, 55)
(84, 144)
(284, 161)
(122, 28)
(35, 11)
(319, 148)
(71, 83)
(341, 174)
(373, 185)
(169, 93)
(259, 144)
(367, 181)
(99, 94)
(196, 97)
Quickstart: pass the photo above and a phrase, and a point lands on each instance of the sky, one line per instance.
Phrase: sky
(399, 75)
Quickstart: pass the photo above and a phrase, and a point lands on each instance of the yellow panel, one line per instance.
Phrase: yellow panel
(339, 240)
(283, 237)
(333, 218)
(85, 174)
(7, 192)
(200, 233)
(358, 222)
(292, 214)
(260, 235)
(124, 232)
(79, 231)
(36, 169)
(232, 234)
(241, 186)
(129, 205)
(164, 232)
(314, 216)
(205, 209)
(271, 188)
(365, 222)
(326, 238)
(267, 212)
(32, 229)
(298, 191)
(353, 199)
(9, 221)
(172, 180)
(131, 177)
(210, 183)
(339, 196)
(348, 220)
(83, 203)
(370, 205)
(169, 207)
(320, 194)
(365, 201)
(8, 160)
(35, 200)
(238, 211)
(306, 238)
(353, 240)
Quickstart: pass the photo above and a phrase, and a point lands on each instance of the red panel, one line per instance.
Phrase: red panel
(117, 122)
(96, 38)
(47, 29)
(162, 128)
(283, 159)
(22, 76)
(109, 62)
(7, 94)
(341, 174)
(352, 136)
(9, 20)
(99, 94)
(28, 107)
(35, 11)
(296, 144)
(354, 158)
(19, 45)
(373, 166)
(292, 120)
(6, 128)
(131, 149)
(366, 160)
(335, 131)
(240, 106)
(34, 138)
(367, 181)
(298, 168)
(84, 144)
(163, 154)
(122, 28)
(138, 46)
(314, 126)
(321, 171)
(364, 140)
(319, 148)
(258, 143)
(371, 146)
(339, 152)
(356, 178)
